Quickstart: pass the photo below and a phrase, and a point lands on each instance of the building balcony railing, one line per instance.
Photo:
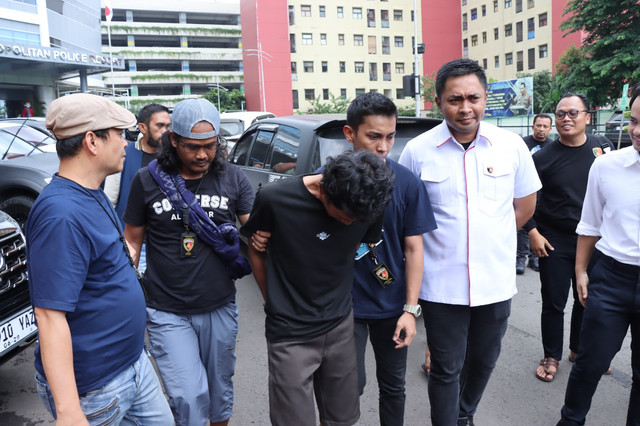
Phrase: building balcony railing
(176, 53)
(132, 28)
(177, 77)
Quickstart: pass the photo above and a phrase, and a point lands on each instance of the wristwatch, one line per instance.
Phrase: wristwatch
(415, 310)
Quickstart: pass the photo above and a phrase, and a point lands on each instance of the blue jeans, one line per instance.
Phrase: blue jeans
(133, 397)
(612, 306)
(391, 366)
(196, 358)
(465, 344)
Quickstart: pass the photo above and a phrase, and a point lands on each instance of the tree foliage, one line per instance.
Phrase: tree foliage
(429, 94)
(608, 56)
(229, 99)
(333, 105)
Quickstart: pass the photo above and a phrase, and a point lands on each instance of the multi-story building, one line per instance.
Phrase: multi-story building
(508, 37)
(42, 44)
(174, 52)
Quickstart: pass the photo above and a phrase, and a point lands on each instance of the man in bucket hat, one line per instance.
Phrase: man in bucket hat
(88, 303)
(187, 202)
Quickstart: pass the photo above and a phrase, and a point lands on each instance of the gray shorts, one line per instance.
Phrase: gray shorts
(325, 364)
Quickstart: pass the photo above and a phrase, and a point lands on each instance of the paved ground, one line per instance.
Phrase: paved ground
(514, 396)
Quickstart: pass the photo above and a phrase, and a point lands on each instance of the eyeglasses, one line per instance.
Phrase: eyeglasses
(572, 113)
(192, 148)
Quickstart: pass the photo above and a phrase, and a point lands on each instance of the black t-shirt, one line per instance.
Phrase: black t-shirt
(533, 143)
(310, 262)
(564, 171)
(191, 285)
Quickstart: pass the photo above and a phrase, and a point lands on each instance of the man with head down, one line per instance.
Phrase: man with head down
(88, 303)
(187, 202)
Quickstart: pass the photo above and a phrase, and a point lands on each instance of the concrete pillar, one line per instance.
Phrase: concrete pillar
(45, 94)
(131, 40)
(186, 89)
(185, 65)
(182, 17)
(133, 90)
(132, 65)
(184, 42)
(84, 87)
(129, 15)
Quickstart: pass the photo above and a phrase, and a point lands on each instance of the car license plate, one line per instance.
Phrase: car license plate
(17, 330)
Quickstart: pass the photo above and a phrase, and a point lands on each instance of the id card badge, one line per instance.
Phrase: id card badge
(383, 275)
(188, 245)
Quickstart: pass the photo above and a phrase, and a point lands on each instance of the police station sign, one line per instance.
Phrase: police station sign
(60, 56)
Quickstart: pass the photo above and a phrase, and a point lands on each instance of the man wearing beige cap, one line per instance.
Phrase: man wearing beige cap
(91, 364)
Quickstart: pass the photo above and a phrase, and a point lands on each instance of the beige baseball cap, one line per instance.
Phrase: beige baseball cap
(81, 112)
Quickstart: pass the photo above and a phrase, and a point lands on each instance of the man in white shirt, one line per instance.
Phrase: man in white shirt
(482, 184)
(609, 227)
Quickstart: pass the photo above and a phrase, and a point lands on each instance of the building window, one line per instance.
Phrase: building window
(397, 15)
(465, 48)
(294, 94)
(518, 31)
(371, 18)
(520, 61)
(373, 71)
(359, 92)
(398, 41)
(496, 61)
(325, 66)
(531, 63)
(474, 40)
(484, 37)
(495, 5)
(531, 4)
(292, 17)
(496, 33)
(543, 51)
(464, 2)
(412, 15)
(342, 66)
(386, 71)
(325, 94)
(358, 40)
(341, 39)
(399, 93)
(357, 13)
(343, 93)
(484, 63)
(292, 42)
(305, 10)
(359, 67)
(518, 6)
(340, 12)
(542, 20)
(474, 14)
(464, 22)
(508, 30)
(323, 13)
(508, 59)
(307, 38)
(294, 67)
(310, 94)
(507, 4)
(308, 66)
(384, 18)
(372, 44)
(386, 45)
(399, 67)
(531, 28)
(323, 39)
(484, 10)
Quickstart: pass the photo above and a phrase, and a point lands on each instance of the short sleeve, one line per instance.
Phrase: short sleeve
(135, 214)
(261, 217)
(245, 194)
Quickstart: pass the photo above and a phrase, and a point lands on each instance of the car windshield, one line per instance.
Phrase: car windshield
(12, 146)
(29, 134)
(231, 127)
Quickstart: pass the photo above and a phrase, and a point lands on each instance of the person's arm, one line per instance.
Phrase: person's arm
(524, 208)
(414, 262)
(539, 244)
(57, 360)
(135, 237)
(243, 218)
(258, 262)
(584, 249)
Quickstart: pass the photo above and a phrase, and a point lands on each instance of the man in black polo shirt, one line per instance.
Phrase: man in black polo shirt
(563, 167)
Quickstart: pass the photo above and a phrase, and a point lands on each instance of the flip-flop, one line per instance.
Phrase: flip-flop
(426, 369)
(546, 363)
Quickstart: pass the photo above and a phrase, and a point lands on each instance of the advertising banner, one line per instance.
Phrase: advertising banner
(510, 97)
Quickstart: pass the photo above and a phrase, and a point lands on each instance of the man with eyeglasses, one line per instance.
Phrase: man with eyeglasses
(187, 202)
(563, 167)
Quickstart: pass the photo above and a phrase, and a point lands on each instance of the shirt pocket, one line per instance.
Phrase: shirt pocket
(496, 188)
(439, 184)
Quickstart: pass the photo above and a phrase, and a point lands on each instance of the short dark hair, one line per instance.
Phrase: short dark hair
(359, 183)
(145, 114)
(635, 92)
(458, 68)
(70, 147)
(168, 156)
(583, 98)
(367, 104)
(546, 116)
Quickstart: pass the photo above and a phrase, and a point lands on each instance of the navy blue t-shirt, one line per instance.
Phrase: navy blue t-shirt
(77, 264)
(409, 213)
